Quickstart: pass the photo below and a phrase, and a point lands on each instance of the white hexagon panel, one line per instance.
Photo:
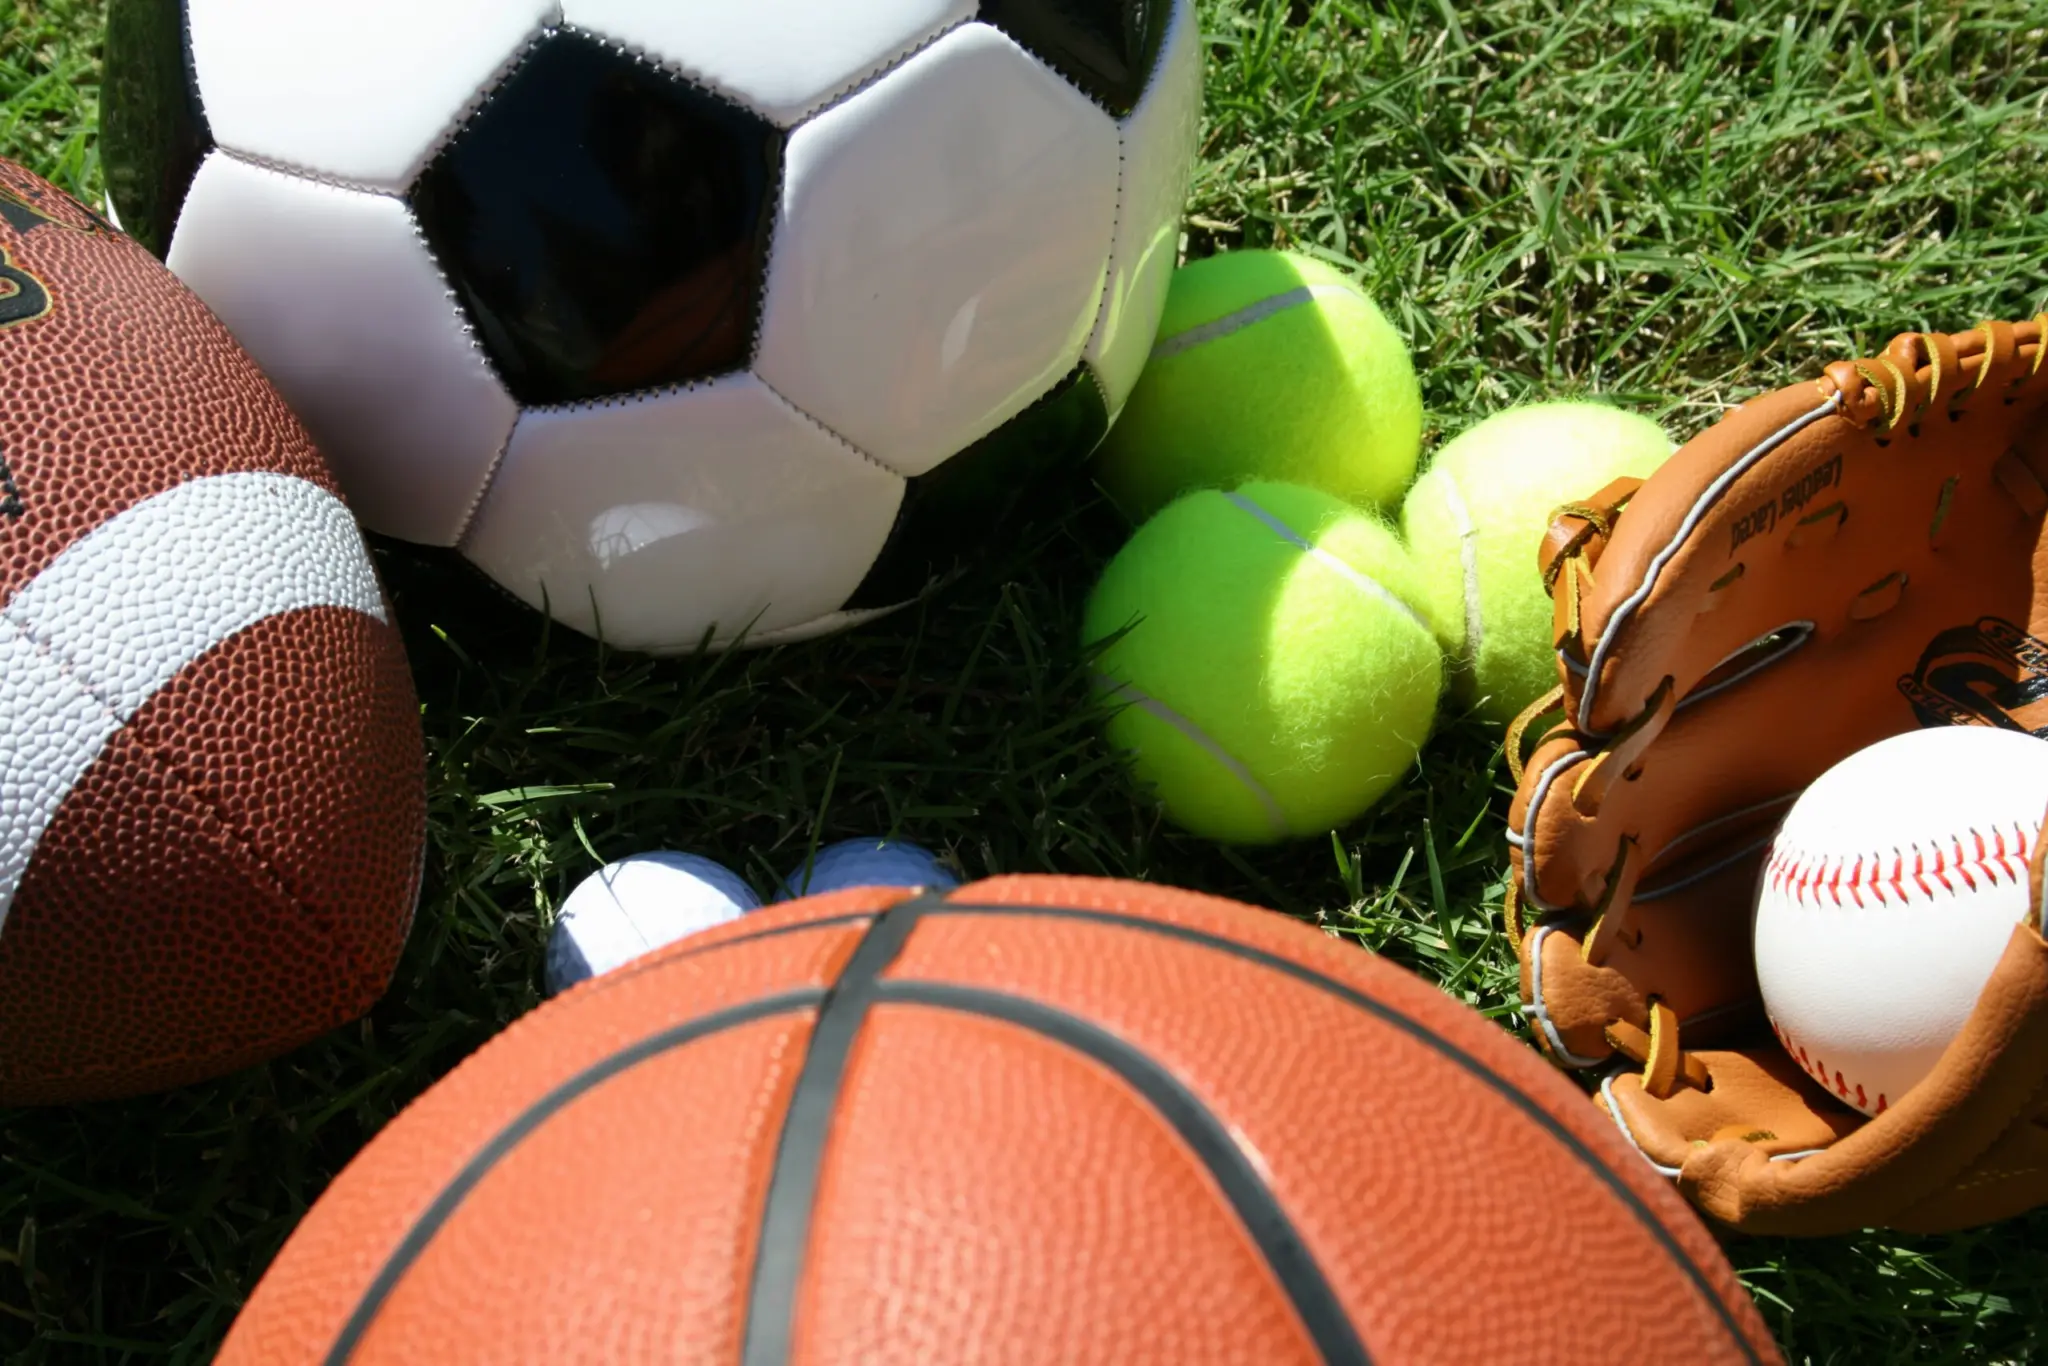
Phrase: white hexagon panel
(359, 92)
(370, 352)
(678, 316)
(963, 208)
(781, 58)
(682, 519)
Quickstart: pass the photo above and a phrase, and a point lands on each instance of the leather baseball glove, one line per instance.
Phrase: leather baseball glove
(1828, 565)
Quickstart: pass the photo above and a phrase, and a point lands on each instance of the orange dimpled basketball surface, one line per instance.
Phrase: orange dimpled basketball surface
(1037, 1120)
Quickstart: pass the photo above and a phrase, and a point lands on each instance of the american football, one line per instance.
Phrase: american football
(211, 772)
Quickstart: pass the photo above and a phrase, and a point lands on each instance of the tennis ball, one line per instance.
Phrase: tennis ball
(1276, 674)
(1475, 520)
(1267, 366)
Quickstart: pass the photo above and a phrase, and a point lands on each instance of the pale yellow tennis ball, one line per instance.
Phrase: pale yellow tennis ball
(1476, 518)
(1268, 366)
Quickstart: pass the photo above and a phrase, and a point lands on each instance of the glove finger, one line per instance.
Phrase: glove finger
(1893, 498)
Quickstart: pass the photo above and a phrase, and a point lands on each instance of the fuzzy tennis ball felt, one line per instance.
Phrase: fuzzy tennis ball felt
(1474, 521)
(1274, 674)
(1267, 365)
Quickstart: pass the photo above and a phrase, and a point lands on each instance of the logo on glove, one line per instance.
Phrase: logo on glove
(1992, 673)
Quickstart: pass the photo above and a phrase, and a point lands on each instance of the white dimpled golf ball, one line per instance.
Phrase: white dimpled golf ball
(1890, 892)
(637, 905)
(868, 863)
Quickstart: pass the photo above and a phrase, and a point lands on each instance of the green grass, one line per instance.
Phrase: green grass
(1674, 203)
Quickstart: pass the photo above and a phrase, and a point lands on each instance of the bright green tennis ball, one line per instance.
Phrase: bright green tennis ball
(1476, 518)
(1277, 674)
(1267, 366)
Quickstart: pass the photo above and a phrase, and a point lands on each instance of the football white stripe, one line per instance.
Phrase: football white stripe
(50, 729)
(115, 617)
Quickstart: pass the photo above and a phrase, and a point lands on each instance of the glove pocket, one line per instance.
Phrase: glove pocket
(1627, 930)
(1765, 1149)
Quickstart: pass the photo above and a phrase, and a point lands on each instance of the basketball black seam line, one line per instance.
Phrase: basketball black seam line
(1387, 1015)
(655, 959)
(1282, 1248)
(473, 1172)
(480, 1164)
(785, 1223)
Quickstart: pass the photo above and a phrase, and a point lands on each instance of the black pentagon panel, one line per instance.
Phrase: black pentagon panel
(153, 133)
(1106, 47)
(949, 514)
(604, 223)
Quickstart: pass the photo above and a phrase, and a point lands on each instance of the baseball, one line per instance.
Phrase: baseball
(1890, 892)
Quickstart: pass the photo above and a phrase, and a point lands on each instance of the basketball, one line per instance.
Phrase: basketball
(1029, 1120)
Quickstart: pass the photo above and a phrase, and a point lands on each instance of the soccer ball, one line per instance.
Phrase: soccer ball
(687, 323)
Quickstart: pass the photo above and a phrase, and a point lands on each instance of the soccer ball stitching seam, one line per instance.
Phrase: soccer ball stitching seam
(466, 325)
(554, 22)
(628, 397)
(188, 66)
(674, 70)
(772, 208)
(1088, 95)
(806, 415)
(768, 255)
(292, 170)
(1110, 259)
(490, 478)
(879, 71)
(1088, 373)
(485, 91)
(1148, 89)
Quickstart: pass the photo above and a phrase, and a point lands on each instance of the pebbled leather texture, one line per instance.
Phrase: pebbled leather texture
(212, 800)
(1036, 1120)
(1830, 564)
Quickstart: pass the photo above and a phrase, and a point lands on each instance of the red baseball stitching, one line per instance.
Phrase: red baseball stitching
(1817, 1068)
(1826, 879)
